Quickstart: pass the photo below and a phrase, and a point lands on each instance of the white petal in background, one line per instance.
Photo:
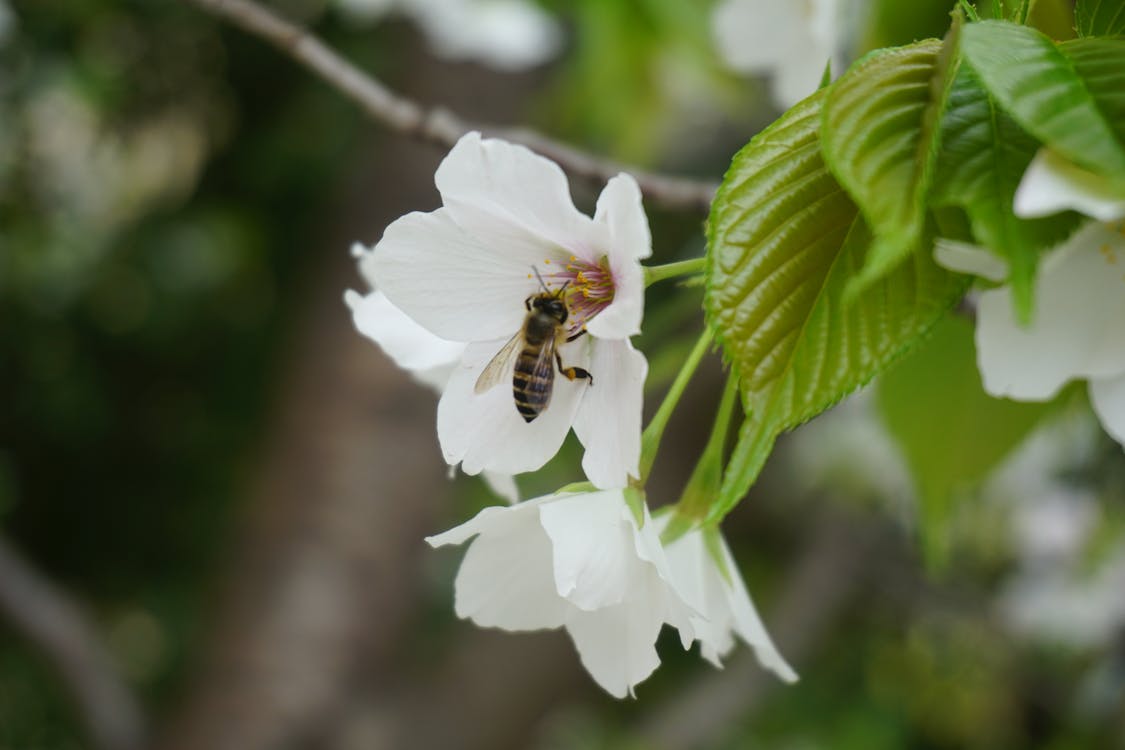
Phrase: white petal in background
(1052, 183)
(1107, 395)
(791, 41)
(427, 357)
(1076, 331)
(507, 35)
(608, 421)
(964, 257)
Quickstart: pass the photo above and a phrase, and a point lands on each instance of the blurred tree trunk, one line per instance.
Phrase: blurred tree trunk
(324, 580)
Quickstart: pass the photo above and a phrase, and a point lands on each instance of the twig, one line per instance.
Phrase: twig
(56, 627)
(435, 124)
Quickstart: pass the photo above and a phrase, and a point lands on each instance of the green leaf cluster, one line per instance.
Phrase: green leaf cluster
(820, 241)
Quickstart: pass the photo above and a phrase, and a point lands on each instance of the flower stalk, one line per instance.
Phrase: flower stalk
(650, 439)
(654, 274)
(703, 486)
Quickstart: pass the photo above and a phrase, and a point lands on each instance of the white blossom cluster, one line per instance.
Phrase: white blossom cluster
(1077, 331)
(450, 289)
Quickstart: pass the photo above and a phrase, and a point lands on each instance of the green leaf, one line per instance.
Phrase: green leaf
(784, 240)
(1042, 89)
(880, 139)
(1101, 65)
(951, 433)
(1100, 17)
(983, 157)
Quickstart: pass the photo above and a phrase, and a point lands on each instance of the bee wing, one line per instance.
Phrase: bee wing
(499, 368)
(544, 371)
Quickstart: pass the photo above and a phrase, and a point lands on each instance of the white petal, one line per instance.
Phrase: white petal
(608, 421)
(963, 257)
(410, 345)
(1108, 398)
(595, 561)
(502, 485)
(692, 573)
(505, 581)
(1076, 332)
(365, 258)
(1052, 183)
(494, 519)
(621, 211)
(513, 200)
(800, 77)
(449, 282)
(677, 610)
(758, 36)
(617, 644)
(748, 624)
(505, 34)
(484, 430)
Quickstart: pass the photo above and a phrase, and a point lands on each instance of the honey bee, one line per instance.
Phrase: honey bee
(531, 355)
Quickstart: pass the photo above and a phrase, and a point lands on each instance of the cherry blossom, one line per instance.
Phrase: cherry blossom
(578, 561)
(466, 272)
(1076, 332)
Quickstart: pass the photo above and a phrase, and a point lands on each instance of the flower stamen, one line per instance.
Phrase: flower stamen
(590, 290)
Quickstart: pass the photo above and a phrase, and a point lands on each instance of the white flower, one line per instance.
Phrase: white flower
(577, 561)
(428, 358)
(1077, 331)
(704, 572)
(504, 34)
(465, 272)
(791, 41)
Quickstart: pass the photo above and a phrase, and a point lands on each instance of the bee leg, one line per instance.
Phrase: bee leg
(572, 338)
(527, 303)
(570, 373)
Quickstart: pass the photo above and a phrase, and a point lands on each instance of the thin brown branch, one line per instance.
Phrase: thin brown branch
(435, 124)
(50, 622)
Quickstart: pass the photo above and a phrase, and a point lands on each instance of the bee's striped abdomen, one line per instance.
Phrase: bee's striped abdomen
(531, 382)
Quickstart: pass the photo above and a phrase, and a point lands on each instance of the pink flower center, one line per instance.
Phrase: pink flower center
(589, 289)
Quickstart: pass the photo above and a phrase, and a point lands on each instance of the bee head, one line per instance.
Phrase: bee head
(553, 304)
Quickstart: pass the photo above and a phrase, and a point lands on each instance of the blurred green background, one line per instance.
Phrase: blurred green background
(233, 485)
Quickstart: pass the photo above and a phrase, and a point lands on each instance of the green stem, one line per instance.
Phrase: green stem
(654, 274)
(703, 487)
(650, 440)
